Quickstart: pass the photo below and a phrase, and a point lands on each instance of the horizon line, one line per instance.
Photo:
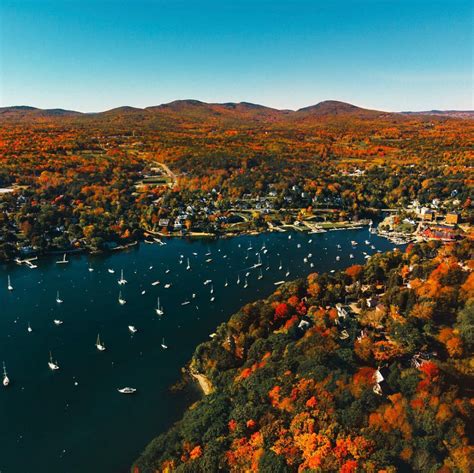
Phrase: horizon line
(465, 110)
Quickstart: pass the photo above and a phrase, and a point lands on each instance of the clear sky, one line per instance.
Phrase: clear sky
(95, 55)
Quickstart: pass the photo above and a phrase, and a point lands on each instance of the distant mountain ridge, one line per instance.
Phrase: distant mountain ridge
(197, 110)
(445, 113)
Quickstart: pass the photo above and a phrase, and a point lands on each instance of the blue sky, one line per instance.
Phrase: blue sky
(95, 55)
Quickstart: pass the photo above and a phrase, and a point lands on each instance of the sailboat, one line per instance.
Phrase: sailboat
(281, 266)
(287, 273)
(57, 322)
(6, 380)
(163, 345)
(122, 281)
(159, 309)
(126, 390)
(212, 299)
(238, 279)
(246, 283)
(63, 261)
(58, 299)
(260, 276)
(111, 271)
(121, 300)
(9, 284)
(212, 289)
(132, 329)
(53, 365)
(29, 328)
(226, 283)
(188, 266)
(258, 263)
(100, 346)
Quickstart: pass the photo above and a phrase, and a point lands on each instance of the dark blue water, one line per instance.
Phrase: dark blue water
(74, 420)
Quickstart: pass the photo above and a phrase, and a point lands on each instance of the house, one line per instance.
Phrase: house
(439, 232)
(372, 302)
(341, 311)
(305, 323)
(452, 218)
(426, 214)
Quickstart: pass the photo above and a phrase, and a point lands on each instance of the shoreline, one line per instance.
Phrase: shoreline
(204, 382)
(192, 235)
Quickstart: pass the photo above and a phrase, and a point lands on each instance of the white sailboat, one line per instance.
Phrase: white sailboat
(57, 322)
(163, 345)
(9, 284)
(58, 299)
(281, 266)
(122, 280)
(226, 283)
(258, 263)
(188, 266)
(121, 300)
(287, 273)
(167, 286)
(246, 283)
(6, 380)
(159, 309)
(132, 329)
(238, 279)
(111, 271)
(260, 276)
(127, 390)
(212, 288)
(212, 299)
(100, 346)
(29, 328)
(63, 261)
(53, 365)
(351, 256)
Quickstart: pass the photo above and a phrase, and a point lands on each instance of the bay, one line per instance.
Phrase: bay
(73, 420)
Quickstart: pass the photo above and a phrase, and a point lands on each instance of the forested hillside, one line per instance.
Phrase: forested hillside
(366, 370)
